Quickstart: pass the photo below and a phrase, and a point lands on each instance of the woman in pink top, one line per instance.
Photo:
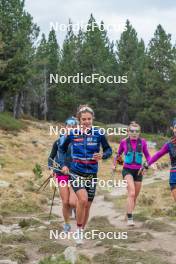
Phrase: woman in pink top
(168, 148)
(133, 148)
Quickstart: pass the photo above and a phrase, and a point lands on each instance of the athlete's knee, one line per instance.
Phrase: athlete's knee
(72, 204)
(87, 206)
(83, 201)
(65, 203)
(131, 194)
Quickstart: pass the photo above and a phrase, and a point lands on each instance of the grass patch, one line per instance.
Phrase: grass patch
(126, 256)
(9, 123)
(44, 216)
(158, 226)
(146, 200)
(159, 139)
(13, 239)
(19, 255)
(141, 216)
(29, 186)
(54, 260)
(29, 222)
(102, 224)
(160, 252)
(14, 253)
(118, 202)
(60, 259)
(37, 236)
(19, 206)
(171, 212)
(51, 248)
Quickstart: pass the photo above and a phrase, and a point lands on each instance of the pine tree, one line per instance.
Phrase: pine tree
(68, 93)
(97, 57)
(160, 66)
(131, 59)
(18, 34)
(53, 56)
(37, 93)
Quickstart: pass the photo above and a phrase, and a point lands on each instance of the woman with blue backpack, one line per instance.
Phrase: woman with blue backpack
(133, 147)
(67, 194)
(85, 144)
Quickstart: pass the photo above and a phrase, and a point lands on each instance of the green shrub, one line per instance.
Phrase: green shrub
(37, 170)
(8, 122)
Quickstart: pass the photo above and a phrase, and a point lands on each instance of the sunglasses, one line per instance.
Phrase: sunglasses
(134, 130)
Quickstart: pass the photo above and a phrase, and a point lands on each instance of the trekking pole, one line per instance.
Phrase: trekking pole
(113, 172)
(52, 202)
(45, 183)
(145, 166)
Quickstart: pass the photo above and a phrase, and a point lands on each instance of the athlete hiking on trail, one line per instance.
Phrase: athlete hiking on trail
(133, 148)
(168, 148)
(85, 144)
(67, 194)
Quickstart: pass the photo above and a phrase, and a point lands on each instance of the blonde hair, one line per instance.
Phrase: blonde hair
(84, 109)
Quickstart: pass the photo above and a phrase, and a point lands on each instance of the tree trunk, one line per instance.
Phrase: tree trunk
(1, 104)
(45, 106)
(18, 104)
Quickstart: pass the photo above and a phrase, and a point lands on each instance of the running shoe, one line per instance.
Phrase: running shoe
(67, 228)
(79, 236)
(130, 222)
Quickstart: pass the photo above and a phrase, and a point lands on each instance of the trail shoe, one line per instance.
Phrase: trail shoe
(67, 228)
(130, 222)
(79, 235)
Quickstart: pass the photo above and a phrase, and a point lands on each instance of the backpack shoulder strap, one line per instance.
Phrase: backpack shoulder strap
(129, 147)
(139, 145)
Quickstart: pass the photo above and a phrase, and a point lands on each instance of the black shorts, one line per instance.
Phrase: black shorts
(172, 186)
(84, 181)
(172, 179)
(133, 173)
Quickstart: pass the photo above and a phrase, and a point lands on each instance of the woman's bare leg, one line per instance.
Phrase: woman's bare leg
(131, 193)
(174, 194)
(137, 185)
(64, 193)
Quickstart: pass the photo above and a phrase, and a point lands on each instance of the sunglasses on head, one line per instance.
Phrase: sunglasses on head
(85, 108)
(134, 130)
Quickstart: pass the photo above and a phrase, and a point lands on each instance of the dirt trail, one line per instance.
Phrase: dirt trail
(162, 241)
(32, 146)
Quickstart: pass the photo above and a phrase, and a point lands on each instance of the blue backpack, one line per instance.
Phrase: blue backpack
(134, 156)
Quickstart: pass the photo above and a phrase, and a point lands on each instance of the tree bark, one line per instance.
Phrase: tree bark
(18, 104)
(2, 106)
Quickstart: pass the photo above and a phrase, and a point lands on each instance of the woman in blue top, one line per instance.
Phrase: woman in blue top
(85, 149)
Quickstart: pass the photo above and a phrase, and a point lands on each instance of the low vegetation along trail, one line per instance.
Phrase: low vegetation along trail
(24, 224)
